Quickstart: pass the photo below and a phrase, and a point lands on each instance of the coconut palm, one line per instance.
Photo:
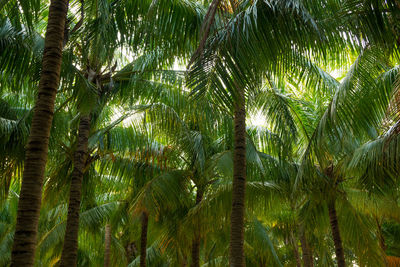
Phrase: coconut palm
(100, 54)
(36, 155)
(227, 64)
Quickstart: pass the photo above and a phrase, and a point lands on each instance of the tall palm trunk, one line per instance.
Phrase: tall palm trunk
(307, 253)
(295, 249)
(107, 245)
(380, 235)
(23, 252)
(184, 262)
(70, 248)
(130, 251)
(143, 239)
(336, 234)
(236, 256)
(196, 240)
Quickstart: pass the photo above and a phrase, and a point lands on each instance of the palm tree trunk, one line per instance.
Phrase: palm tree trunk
(23, 252)
(184, 262)
(307, 253)
(236, 256)
(70, 248)
(380, 235)
(130, 251)
(143, 239)
(107, 245)
(336, 234)
(196, 240)
(295, 250)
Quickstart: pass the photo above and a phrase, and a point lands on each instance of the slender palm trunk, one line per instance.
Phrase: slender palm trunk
(196, 240)
(23, 252)
(380, 235)
(143, 239)
(236, 256)
(130, 251)
(307, 253)
(336, 234)
(70, 248)
(295, 250)
(184, 262)
(107, 245)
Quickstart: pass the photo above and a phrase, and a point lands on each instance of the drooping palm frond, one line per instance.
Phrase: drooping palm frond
(260, 237)
(20, 56)
(7, 226)
(358, 234)
(156, 194)
(154, 257)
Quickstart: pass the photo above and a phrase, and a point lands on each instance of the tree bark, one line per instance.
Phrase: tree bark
(143, 239)
(307, 253)
(236, 251)
(380, 235)
(197, 239)
(23, 252)
(184, 262)
(130, 251)
(107, 245)
(295, 250)
(70, 248)
(336, 234)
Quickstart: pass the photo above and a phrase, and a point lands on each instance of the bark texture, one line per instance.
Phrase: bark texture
(143, 239)
(131, 251)
(23, 251)
(295, 250)
(70, 248)
(236, 251)
(336, 234)
(380, 235)
(107, 245)
(307, 253)
(196, 241)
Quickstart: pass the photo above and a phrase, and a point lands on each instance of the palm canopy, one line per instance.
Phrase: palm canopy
(320, 81)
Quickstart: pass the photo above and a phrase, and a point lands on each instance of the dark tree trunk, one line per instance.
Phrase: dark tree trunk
(184, 262)
(296, 250)
(107, 245)
(131, 251)
(336, 234)
(23, 252)
(236, 256)
(380, 235)
(70, 248)
(196, 240)
(143, 239)
(308, 260)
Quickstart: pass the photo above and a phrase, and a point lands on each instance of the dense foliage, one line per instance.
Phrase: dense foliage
(199, 132)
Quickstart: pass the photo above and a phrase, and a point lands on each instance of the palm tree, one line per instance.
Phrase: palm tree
(97, 78)
(204, 158)
(234, 61)
(364, 84)
(70, 249)
(58, 28)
